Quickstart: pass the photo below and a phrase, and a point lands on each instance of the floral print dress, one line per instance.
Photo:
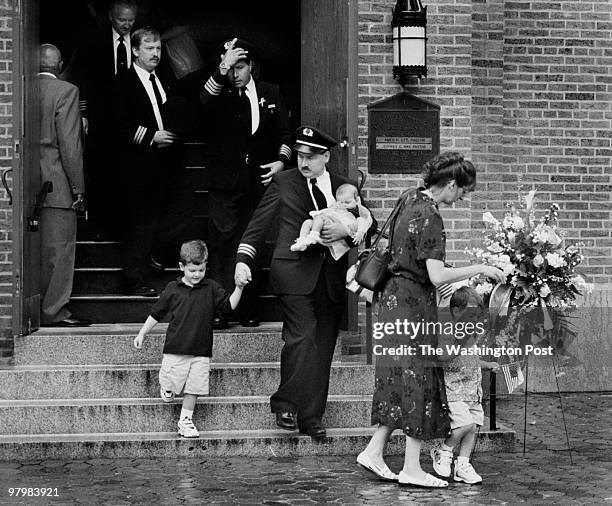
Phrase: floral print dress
(409, 390)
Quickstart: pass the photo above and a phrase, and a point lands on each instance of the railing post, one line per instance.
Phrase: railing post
(492, 401)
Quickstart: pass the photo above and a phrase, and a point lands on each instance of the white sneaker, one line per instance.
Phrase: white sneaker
(186, 428)
(466, 473)
(166, 395)
(442, 460)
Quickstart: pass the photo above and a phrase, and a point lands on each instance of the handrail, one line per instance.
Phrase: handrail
(5, 184)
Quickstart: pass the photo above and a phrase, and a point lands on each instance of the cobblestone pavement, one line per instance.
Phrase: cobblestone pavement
(543, 476)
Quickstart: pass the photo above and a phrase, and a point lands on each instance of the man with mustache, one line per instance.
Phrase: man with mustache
(250, 136)
(157, 196)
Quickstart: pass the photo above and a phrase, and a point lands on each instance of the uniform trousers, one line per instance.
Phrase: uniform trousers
(230, 212)
(158, 216)
(58, 245)
(310, 330)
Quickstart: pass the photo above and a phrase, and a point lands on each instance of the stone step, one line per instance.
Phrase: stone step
(113, 344)
(54, 416)
(141, 381)
(117, 308)
(110, 280)
(254, 443)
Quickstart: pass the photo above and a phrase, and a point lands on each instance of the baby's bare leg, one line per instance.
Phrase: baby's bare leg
(306, 228)
(318, 222)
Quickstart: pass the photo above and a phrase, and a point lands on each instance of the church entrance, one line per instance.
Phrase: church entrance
(293, 39)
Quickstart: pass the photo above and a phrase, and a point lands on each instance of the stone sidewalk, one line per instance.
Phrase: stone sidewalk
(543, 476)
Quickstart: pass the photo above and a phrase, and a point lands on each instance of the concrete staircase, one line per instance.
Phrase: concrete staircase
(88, 393)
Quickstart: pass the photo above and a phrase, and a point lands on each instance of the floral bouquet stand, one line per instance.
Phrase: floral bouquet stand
(531, 312)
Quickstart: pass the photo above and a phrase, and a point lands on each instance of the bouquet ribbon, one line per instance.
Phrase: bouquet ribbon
(499, 303)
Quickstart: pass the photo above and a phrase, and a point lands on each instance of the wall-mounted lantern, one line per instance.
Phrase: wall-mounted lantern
(409, 40)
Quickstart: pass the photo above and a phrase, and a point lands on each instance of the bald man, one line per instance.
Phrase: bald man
(61, 163)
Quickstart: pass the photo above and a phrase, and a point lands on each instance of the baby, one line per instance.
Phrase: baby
(346, 210)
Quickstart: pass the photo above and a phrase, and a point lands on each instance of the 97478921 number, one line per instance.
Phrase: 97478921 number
(33, 492)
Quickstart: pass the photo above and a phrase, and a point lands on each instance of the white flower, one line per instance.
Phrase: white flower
(495, 248)
(538, 260)
(484, 288)
(544, 291)
(513, 222)
(489, 219)
(555, 260)
(511, 236)
(529, 200)
(581, 285)
(545, 234)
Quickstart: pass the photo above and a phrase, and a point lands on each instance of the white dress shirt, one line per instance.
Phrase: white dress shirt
(128, 48)
(324, 184)
(146, 82)
(251, 92)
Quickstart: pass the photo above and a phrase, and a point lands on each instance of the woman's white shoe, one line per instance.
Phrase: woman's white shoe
(429, 481)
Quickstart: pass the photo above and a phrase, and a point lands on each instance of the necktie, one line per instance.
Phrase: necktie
(245, 108)
(121, 56)
(318, 195)
(158, 97)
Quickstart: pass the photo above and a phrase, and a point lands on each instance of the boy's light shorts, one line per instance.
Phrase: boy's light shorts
(184, 373)
(465, 413)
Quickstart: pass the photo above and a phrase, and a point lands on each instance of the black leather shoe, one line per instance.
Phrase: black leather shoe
(286, 421)
(69, 322)
(220, 322)
(143, 291)
(249, 322)
(315, 430)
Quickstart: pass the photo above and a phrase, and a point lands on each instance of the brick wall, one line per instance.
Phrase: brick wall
(558, 116)
(448, 84)
(525, 90)
(6, 142)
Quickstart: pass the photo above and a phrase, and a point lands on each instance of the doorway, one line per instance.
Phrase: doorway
(294, 39)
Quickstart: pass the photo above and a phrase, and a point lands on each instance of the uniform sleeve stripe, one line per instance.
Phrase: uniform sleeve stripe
(140, 133)
(285, 150)
(247, 249)
(213, 87)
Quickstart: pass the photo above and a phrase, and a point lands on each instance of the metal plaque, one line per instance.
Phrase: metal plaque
(404, 132)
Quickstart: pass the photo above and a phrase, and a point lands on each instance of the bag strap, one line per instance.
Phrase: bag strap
(391, 218)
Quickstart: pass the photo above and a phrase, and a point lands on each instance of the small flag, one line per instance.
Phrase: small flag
(446, 290)
(513, 375)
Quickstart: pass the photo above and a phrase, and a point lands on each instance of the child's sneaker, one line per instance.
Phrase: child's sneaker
(166, 395)
(186, 428)
(442, 460)
(466, 473)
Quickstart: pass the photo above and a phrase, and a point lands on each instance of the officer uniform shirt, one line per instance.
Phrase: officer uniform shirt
(324, 184)
(251, 92)
(128, 48)
(146, 82)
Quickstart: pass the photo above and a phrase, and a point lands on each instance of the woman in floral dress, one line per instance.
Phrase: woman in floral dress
(409, 390)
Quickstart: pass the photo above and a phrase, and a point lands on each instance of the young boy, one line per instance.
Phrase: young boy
(463, 378)
(191, 302)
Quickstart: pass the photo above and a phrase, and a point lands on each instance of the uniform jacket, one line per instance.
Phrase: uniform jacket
(288, 201)
(61, 149)
(93, 70)
(134, 128)
(231, 141)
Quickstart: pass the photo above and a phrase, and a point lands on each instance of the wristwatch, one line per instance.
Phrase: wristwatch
(223, 66)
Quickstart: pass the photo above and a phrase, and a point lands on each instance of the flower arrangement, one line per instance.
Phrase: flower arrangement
(541, 273)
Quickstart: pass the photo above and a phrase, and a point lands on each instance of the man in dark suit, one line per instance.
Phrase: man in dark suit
(249, 144)
(157, 200)
(310, 285)
(61, 163)
(103, 54)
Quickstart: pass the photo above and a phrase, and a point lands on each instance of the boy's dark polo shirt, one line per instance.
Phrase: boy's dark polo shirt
(191, 312)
